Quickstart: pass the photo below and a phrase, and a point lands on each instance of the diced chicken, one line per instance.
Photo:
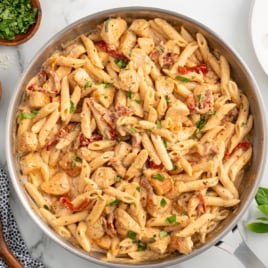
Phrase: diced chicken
(146, 44)
(112, 30)
(58, 184)
(182, 244)
(104, 176)
(127, 246)
(105, 96)
(96, 230)
(124, 222)
(160, 245)
(128, 80)
(104, 242)
(164, 86)
(38, 99)
(71, 164)
(127, 42)
(140, 27)
(28, 142)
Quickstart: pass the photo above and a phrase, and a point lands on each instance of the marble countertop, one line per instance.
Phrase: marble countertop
(230, 19)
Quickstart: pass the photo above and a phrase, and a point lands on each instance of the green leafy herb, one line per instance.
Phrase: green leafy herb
(165, 143)
(199, 96)
(158, 124)
(200, 124)
(129, 94)
(117, 179)
(16, 17)
(72, 107)
(171, 219)
(46, 207)
(88, 84)
(182, 78)
(121, 63)
(132, 235)
(163, 234)
(167, 100)
(106, 25)
(75, 159)
(107, 85)
(30, 115)
(138, 188)
(158, 177)
(260, 226)
(163, 202)
(115, 202)
(141, 246)
(105, 97)
(132, 130)
(138, 101)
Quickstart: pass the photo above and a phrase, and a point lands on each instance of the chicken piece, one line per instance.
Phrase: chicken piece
(28, 142)
(127, 245)
(146, 44)
(182, 244)
(112, 30)
(71, 164)
(140, 27)
(105, 96)
(160, 245)
(127, 42)
(38, 99)
(164, 86)
(104, 242)
(124, 222)
(81, 77)
(128, 80)
(56, 185)
(104, 176)
(96, 230)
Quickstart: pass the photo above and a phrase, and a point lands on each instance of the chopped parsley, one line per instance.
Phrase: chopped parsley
(75, 159)
(107, 85)
(16, 17)
(163, 234)
(171, 219)
(158, 177)
(165, 143)
(132, 235)
(138, 188)
(138, 101)
(30, 115)
(182, 78)
(163, 202)
(129, 94)
(117, 179)
(200, 124)
(158, 124)
(121, 63)
(88, 84)
(132, 130)
(72, 107)
(115, 202)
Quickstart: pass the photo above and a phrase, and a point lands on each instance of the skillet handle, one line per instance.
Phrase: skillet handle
(243, 253)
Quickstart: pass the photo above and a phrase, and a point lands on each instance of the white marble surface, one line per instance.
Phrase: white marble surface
(228, 18)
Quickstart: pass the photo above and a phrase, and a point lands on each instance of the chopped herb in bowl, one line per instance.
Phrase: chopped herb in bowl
(16, 17)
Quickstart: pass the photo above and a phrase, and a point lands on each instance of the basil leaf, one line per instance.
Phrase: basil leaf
(263, 208)
(262, 196)
(262, 219)
(72, 107)
(163, 202)
(121, 63)
(258, 227)
(163, 234)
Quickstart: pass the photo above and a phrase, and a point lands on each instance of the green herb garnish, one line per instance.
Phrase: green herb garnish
(158, 177)
(30, 115)
(75, 159)
(163, 234)
(107, 85)
(16, 17)
(138, 101)
(182, 78)
(72, 107)
(261, 198)
(171, 219)
(132, 235)
(138, 188)
(121, 63)
(115, 202)
(132, 130)
(158, 124)
(117, 179)
(163, 202)
(129, 94)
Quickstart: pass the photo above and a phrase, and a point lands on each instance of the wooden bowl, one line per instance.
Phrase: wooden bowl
(21, 38)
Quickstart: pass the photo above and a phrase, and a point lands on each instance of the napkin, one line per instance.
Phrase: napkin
(10, 229)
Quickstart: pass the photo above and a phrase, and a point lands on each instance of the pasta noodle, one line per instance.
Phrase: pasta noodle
(133, 139)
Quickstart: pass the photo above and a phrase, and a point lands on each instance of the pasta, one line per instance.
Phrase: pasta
(133, 140)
